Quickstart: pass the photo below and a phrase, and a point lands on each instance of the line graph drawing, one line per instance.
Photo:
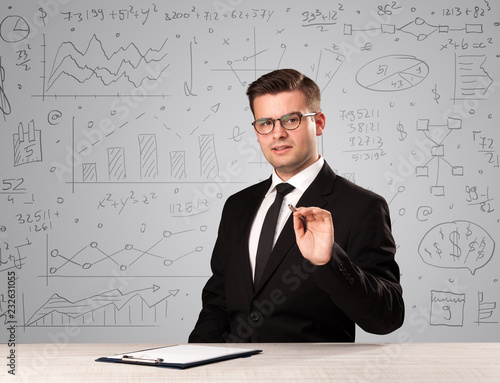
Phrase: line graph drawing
(145, 307)
(93, 259)
(438, 152)
(125, 64)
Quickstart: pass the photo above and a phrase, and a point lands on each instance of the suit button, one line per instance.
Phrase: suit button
(341, 267)
(254, 316)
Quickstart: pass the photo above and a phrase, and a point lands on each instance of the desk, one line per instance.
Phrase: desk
(319, 362)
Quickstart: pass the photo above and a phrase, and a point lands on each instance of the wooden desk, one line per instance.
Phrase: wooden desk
(399, 363)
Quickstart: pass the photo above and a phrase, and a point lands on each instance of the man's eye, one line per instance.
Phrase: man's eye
(265, 123)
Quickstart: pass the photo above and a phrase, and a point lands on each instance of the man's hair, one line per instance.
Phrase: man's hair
(286, 80)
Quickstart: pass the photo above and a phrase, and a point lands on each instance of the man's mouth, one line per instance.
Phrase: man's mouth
(281, 147)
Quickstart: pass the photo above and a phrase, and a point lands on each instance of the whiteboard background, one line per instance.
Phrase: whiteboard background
(140, 130)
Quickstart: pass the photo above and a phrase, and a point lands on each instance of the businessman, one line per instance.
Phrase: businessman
(308, 275)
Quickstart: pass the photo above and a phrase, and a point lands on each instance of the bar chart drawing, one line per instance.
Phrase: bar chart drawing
(148, 156)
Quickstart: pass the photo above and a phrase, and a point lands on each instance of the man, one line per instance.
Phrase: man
(332, 265)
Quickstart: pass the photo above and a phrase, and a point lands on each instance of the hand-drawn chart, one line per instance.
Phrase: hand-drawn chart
(124, 129)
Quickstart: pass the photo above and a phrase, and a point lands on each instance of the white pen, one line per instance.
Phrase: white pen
(294, 209)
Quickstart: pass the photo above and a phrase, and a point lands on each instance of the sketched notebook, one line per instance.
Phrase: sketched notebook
(180, 356)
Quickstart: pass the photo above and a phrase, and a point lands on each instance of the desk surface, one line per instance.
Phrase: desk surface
(388, 362)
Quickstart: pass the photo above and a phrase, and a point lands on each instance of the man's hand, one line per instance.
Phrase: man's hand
(316, 242)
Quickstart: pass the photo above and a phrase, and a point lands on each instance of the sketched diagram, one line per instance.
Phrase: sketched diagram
(137, 308)
(438, 152)
(392, 73)
(457, 245)
(27, 145)
(472, 81)
(418, 28)
(14, 29)
(93, 259)
(447, 309)
(127, 64)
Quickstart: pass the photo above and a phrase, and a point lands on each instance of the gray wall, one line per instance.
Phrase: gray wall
(124, 128)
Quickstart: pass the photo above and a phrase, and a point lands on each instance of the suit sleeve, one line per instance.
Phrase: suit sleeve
(362, 277)
(213, 322)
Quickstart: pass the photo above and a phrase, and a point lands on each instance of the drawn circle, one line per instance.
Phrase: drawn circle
(198, 249)
(93, 244)
(14, 29)
(168, 262)
(86, 265)
(54, 253)
(53, 270)
(401, 189)
(419, 21)
(128, 246)
(90, 124)
(123, 267)
(203, 228)
(496, 23)
(402, 211)
(220, 195)
(167, 233)
(209, 88)
(54, 116)
(176, 190)
(60, 200)
(472, 111)
(100, 225)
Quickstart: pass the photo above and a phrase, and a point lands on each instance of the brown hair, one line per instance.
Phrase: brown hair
(285, 80)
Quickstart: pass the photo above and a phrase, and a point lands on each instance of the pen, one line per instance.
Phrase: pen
(294, 209)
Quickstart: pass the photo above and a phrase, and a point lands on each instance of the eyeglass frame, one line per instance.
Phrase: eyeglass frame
(279, 119)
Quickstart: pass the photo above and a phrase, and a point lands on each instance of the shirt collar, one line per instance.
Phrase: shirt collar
(302, 180)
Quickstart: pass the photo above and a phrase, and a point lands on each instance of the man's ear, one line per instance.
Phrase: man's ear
(320, 121)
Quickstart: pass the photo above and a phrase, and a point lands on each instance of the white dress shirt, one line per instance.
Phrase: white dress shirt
(301, 182)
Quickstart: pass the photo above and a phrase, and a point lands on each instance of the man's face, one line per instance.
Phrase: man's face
(288, 151)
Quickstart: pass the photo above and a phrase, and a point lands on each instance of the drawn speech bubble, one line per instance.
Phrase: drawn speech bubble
(457, 245)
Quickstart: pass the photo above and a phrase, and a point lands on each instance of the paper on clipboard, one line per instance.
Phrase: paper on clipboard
(180, 356)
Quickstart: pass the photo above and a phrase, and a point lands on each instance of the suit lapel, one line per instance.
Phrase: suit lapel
(313, 196)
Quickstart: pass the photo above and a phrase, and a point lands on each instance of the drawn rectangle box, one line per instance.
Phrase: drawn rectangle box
(437, 151)
(438, 191)
(422, 125)
(457, 170)
(474, 28)
(348, 29)
(422, 171)
(443, 29)
(454, 123)
(388, 28)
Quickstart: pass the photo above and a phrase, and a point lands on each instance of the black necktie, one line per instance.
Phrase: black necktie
(268, 228)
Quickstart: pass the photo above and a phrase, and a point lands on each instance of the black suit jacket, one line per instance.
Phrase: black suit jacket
(296, 301)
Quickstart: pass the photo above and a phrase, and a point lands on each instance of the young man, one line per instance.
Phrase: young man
(332, 265)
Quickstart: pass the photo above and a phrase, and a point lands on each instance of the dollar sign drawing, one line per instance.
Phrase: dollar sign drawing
(437, 96)
(438, 250)
(454, 237)
(43, 15)
(401, 130)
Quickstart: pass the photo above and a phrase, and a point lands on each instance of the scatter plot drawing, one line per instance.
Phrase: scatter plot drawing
(447, 309)
(392, 73)
(111, 308)
(457, 245)
(438, 154)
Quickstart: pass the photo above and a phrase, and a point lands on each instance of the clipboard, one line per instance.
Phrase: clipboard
(180, 356)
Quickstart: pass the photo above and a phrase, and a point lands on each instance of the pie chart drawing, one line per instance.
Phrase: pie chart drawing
(14, 29)
(392, 73)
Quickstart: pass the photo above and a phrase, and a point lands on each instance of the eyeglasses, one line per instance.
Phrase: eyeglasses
(289, 121)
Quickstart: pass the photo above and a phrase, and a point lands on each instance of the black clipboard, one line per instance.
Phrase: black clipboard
(180, 356)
